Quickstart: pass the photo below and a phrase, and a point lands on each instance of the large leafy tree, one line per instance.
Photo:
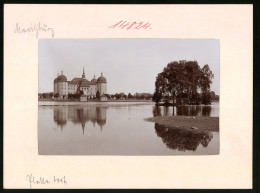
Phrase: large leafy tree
(160, 87)
(184, 79)
(206, 81)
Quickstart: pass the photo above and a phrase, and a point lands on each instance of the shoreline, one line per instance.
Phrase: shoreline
(95, 101)
(187, 122)
(134, 100)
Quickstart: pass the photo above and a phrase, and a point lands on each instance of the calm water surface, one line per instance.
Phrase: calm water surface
(76, 128)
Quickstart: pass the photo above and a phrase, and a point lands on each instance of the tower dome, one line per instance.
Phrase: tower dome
(102, 79)
(56, 79)
(94, 80)
(61, 78)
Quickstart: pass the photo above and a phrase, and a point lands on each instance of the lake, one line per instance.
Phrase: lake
(119, 128)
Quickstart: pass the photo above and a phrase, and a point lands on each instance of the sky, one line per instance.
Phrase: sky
(129, 65)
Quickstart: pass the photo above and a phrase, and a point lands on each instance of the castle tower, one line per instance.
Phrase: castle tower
(102, 84)
(61, 85)
(83, 75)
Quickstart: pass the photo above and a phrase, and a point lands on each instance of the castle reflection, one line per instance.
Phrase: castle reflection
(95, 115)
(182, 111)
(182, 140)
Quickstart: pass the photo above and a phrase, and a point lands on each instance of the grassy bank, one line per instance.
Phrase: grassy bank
(184, 122)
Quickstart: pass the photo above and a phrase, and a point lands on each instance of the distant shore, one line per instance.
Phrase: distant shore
(94, 100)
(187, 122)
(116, 100)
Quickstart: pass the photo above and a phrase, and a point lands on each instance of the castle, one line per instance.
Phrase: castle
(89, 88)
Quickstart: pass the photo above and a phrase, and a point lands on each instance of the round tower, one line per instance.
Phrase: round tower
(102, 84)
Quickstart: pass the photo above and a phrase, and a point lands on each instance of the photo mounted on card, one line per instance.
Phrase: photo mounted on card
(151, 97)
(128, 96)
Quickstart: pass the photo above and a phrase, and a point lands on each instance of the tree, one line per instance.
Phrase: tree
(98, 95)
(79, 94)
(108, 96)
(206, 80)
(44, 95)
(56, 95)
(143, 96)
(206, 98)
(193, 76)
(122, 95)
(157, 97)
(212, 94)
(148, 96)
(184, 79)
(129, 96)
(118, 96)
(160, 87)
(74, 96)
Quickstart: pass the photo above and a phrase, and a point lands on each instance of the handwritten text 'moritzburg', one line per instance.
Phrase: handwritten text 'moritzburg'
(34, 28)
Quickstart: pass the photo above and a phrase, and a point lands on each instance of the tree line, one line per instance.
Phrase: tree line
(117, 96)
(184, 82)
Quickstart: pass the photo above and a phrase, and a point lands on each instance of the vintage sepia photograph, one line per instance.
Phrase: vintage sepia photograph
(128, 96)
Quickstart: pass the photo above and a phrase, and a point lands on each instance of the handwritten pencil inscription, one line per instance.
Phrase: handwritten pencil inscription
(131, 25)
(34, 28)
(32, 180)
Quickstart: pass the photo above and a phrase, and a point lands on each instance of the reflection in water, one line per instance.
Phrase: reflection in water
(157, 111)
(120, 129)
(80, 116)
(206, 111)
(188, 110)
(60, 117)
(182, 140)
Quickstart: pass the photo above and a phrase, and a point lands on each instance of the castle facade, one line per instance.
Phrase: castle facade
(90, 88)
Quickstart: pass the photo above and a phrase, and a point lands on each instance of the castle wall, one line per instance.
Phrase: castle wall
(63, 88)
(55, 88)
(72, 88)
(103, 89)
(98, 87)
(92, 90)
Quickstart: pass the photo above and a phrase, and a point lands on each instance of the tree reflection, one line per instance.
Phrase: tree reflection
(206, 110)
(182, 140)
(157, 111)
(80, 116)
(60, 117)
(182, 110)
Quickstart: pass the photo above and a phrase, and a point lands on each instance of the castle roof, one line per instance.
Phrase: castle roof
(75, 81)
(62, 78)
(102, 79)
(93, 81)
(84, 83)
(72, 82)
